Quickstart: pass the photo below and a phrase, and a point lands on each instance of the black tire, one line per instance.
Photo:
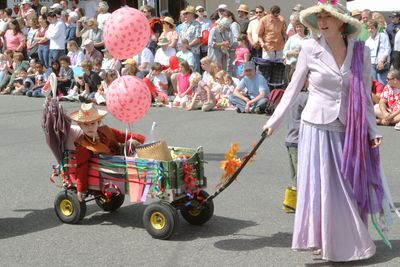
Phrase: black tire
(111, 204)
(68, 208)
(199, 215)
(173, 210)
(159, 220)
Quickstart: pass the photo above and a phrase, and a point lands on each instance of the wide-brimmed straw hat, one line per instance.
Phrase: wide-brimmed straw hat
(169, 20)
(243, 8)
(87, 113)
(157, 151)
(190, 9)
(309, 17)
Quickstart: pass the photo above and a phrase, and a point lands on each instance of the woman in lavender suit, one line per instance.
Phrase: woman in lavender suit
(338, 121)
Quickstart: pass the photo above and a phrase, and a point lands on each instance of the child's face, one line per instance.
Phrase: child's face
(39, 68)
(182, 69)
(22, 74)
(155, 72)
(89, 128)
(97, 68)
(64, 64)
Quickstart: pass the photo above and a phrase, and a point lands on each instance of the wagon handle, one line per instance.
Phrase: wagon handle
(238, 170)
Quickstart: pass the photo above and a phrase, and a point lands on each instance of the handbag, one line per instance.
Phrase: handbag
(386, 65)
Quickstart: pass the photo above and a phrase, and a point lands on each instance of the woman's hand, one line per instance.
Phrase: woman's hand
(374, 143)
(267, 130)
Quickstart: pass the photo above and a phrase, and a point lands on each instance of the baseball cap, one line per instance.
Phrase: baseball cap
(395, 14)
(199, 7)
(249, 65)
(223, 6)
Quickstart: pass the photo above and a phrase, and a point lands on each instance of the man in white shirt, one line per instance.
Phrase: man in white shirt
(164, 52)
(56, 34)
(252, 34)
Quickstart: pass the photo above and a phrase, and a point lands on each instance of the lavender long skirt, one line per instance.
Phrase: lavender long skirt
(326, 215)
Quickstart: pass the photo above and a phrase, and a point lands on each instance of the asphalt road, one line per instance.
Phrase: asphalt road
(249, 227)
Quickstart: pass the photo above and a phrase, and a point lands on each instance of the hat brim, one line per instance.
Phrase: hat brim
(75, 116)
(160, 44)
(308, 17)
(243, 10)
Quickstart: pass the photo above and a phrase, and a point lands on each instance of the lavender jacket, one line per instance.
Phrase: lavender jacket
(328, 86)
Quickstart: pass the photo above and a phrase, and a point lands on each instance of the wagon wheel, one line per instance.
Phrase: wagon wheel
(112, 203)
(200, 214)
(68, 208)
(160, 220)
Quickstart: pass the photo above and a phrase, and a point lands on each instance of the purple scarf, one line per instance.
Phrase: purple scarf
(361, 163)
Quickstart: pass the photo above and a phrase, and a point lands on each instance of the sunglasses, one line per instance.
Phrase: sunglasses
(258, 12)
(200, 10)
(221, 10)
(390, 79)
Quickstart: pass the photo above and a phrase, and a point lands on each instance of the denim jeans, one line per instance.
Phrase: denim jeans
(55, 54)
(43, 53)
(380, 77)
(241, 104)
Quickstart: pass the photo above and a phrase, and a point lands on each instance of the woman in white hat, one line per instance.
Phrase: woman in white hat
(96, 139)
(338, 179)
(220, 41)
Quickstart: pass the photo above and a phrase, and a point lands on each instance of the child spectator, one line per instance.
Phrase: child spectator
(89, 83)
(227, 91)
(17, 64)
(242, 54)
(22, 83)
(97, 66)
(376, 91)
(131, 68)
(291, 143)
(101, 93)
(183, 89)
(66, 75)
(32, 68)
(75, 54)
(203, 98)
(157, 83)
(388, 111)
(40, 79)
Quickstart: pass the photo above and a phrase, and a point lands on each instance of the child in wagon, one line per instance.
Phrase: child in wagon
(96, 139)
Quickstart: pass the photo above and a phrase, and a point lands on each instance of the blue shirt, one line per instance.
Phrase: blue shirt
(254, 86)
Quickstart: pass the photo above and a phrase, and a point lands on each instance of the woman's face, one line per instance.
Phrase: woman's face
(328, 24)
(299, 28)
(372, 31)
(89, 128)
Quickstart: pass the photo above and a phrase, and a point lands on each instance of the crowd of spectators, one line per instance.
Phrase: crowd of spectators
(199, 62)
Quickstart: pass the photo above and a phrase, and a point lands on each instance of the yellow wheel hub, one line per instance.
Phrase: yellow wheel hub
(157, 220)
(66, 207)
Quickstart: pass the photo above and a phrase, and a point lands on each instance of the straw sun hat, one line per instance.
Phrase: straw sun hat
(87, 113)
(309, 17)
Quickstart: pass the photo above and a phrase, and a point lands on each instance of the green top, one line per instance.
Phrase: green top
(364, 34)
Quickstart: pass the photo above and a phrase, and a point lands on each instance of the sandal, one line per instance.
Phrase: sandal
(6, 91)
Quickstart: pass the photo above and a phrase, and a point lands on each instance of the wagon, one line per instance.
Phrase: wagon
(177, 185)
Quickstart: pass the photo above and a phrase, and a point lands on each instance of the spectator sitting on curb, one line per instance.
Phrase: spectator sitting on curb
(388, 110)
(250, 94)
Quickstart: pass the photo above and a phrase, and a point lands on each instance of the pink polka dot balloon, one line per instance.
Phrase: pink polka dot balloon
(128, 99)
(126, 32)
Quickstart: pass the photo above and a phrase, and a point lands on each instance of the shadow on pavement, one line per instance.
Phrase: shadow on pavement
(34, 221)
(131, 216)
(250, 242)
(383, 255)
